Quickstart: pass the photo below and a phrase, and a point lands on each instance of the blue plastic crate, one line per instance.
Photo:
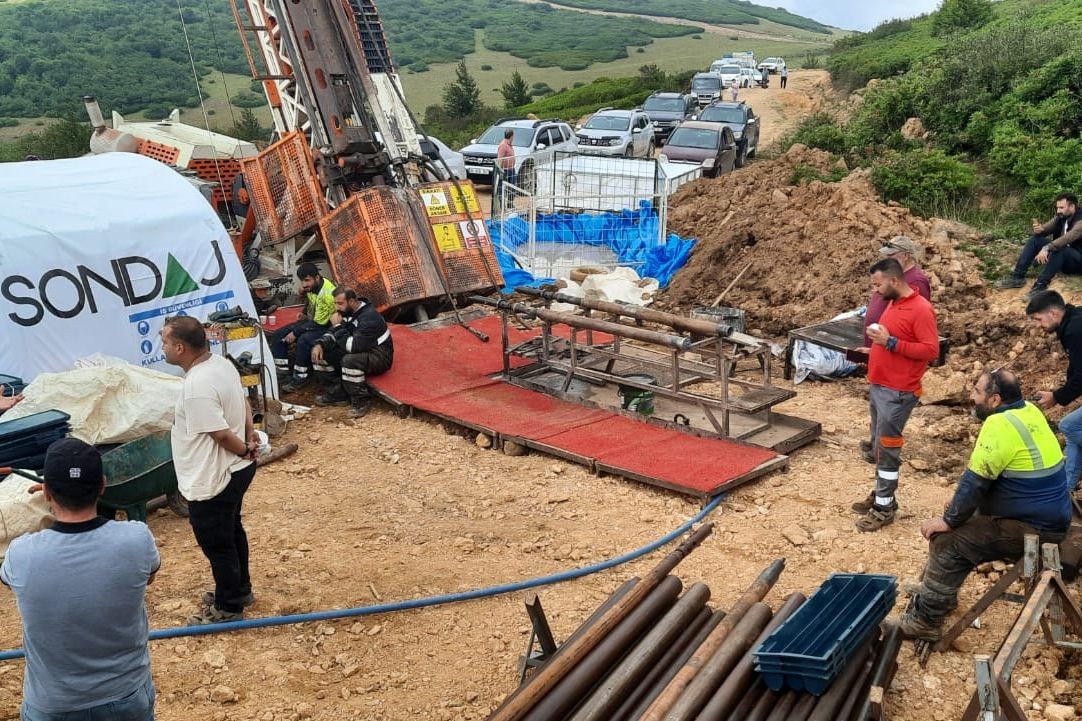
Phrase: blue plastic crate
(29, 425)
(33, 443)
(809, 650)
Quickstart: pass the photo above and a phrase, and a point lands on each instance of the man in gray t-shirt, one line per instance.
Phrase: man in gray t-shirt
(80, 587)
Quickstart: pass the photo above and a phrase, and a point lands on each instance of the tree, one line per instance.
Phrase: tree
(248, 127)
(462, 97)
(961, 15)
(651, 76)
(515, 92)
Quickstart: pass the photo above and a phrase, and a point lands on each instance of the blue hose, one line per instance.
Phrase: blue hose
(267, 621)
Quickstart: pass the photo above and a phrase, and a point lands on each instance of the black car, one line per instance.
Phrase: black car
(667, 110)
(742, 120)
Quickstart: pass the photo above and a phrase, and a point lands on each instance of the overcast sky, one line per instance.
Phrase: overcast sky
(854, 14)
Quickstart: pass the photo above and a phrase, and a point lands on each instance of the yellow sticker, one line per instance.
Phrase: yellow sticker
(435, 202)
(471, 198)
(447, 238)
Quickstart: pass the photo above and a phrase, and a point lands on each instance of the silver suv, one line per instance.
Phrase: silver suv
(530, 137)
(617, 132)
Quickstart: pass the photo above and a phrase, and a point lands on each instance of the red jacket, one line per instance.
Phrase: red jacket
(912, 321)
(916, 279)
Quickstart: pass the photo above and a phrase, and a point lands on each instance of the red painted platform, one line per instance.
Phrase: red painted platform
(448, 372)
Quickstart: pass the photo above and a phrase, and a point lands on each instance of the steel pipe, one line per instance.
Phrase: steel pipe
(804, 706)
(859, 691)
(547, 676)
(577, 321)
(576, 684)
(755, 593)
(611, 601)
(885, 666)
(666, 668)
(842, 687)
(634, 667)
(649, 315)
(784, 706)
(747, 704)
(763, 706)
(736, 684)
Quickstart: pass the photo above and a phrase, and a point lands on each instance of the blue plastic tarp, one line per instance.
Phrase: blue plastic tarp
(632, 235)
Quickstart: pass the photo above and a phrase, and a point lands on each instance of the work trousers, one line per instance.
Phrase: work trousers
(306, 333)
(784, 80)
(952, 556)
(216, 523)
(1071, 426)
(890, 410)
(136, 706)
(1065, 260)
(347, 373)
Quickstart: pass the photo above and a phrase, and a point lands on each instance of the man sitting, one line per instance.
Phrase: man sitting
(305, 332)
(1057, 245)
(1015, 485)
(357, 346)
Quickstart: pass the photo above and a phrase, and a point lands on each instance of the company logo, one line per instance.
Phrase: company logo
(135, 280)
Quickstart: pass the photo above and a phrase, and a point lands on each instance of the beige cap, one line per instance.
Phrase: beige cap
(903, 244)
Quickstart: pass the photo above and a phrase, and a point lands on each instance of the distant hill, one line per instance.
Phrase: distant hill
(716, 12)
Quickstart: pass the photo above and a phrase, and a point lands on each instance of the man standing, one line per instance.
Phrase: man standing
(505, 156)
(80, 587)
(1014, 486)
(358, 346)
(904, 341)
(317, 314)
(214, 445)
(784, 72)
(1048, 310)
(908, 252)
(1057, 245)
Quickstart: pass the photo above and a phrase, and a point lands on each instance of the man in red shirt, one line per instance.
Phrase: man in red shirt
(908, 252)
(904, 341)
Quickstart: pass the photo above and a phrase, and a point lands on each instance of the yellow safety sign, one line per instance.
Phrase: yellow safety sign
(435, 202)
(448, 239)
(471, 199)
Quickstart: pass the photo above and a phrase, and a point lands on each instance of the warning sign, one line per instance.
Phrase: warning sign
(474, 233)
(447, 238)
(471, 199)
(436, 203)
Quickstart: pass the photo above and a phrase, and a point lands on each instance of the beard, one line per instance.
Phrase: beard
(981, 413)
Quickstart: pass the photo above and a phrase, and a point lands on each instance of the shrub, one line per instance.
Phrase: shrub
(923, 180)
(247, 99)
(640, 50)
(819, 131)
(803, 174)
(486, 67)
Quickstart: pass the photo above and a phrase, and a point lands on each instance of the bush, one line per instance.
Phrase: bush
(9, 123)
(923, 180)
(819, 131)
(246, 99)
(803, 174)
(486, 67)
(640, 50)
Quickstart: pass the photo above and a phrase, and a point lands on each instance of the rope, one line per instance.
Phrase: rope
(221, 63)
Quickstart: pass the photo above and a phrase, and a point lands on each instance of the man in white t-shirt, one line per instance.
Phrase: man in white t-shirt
(214, 447)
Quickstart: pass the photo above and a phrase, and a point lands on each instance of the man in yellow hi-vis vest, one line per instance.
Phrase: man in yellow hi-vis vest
(319, 292)
(1015, 485)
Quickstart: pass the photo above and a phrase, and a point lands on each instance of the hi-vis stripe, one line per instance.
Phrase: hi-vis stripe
(887, 475)
(1039, 468)
(380, 341)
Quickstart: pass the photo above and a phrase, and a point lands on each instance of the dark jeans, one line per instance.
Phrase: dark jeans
(219, 532)
(952, 556)
(306, 333)
(136, 706)
(1065, 260)
(784, 80)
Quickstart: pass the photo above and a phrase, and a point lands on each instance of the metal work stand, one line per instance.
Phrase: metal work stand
(255, 383)
(541, 646)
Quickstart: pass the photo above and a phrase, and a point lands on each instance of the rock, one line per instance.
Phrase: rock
(944, 386)
(1062, 687)
(999, 566)
(1058, 712)
(303, 710)
(223, 694)
(375, 630)
(779, 197)
(919, 464)
(795, 536)
(483, 441)
(510, 448)
(913, 129)
(314, 437)
(214, 659)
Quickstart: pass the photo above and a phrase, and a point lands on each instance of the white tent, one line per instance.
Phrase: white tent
(96, 251)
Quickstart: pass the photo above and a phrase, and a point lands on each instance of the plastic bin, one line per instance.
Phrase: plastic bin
(808, 651)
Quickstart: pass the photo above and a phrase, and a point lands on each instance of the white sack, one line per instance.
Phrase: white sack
(20, 512)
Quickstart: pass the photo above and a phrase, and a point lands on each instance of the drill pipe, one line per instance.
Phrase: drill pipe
(804, 705)
(666, 668)
(577, 321)
(740, 678)
(763, 706)
(643, 656)
(860, 689)
(885, 665)
(842, 687)
(677, 322)
(619, 593)
(577, 683)
(702, 659)
(548, 675)
(743, 709)
(784, 706)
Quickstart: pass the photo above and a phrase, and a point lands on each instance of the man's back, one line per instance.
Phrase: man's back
(80, 588)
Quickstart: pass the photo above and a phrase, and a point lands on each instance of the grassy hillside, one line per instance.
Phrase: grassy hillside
(717, 12)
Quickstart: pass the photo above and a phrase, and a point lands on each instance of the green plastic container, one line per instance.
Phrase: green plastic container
(638, 400)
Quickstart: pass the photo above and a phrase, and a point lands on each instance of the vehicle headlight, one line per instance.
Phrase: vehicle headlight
(708, 163)
(737, 134)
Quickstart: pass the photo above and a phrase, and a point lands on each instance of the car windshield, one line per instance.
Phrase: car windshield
(773, 60)
(608, 122)
(666, 105)
(722, 114)
(728, 70)
(706, 84)
(694, 138)
(494, 136)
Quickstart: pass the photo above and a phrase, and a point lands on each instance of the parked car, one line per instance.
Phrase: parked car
(711, 145)
(707, 87)
(772, 65)
(667, 110)
(435, 149)
(750, 76)
(530, 137)
(617, 132)
(744, 123)
(730, 72)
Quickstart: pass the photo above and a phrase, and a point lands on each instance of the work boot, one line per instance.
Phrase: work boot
(295, 383)
(868, 503)
(359, 409)
(211, 614)
(334, 396)
(867, 452)
(1037, 288)
(913, 625)
(877, 517)
(247, 600)
(1010, 281)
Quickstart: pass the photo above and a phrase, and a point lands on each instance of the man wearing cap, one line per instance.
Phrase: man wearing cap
(80, 587)
(908, 252)
(214, 445)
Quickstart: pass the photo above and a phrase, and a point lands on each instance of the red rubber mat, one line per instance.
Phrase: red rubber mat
(447, 372)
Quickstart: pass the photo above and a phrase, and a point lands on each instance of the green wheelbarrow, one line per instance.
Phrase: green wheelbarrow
(138, 472)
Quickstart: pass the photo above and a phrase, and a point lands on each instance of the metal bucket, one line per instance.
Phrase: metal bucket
(722, 314)
(638, 400)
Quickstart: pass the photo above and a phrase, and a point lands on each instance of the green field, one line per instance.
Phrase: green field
(669, 54)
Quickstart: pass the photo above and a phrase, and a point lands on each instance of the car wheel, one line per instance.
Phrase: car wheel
(629, 150)
(741, 156)
(651, 149)
(751, 153)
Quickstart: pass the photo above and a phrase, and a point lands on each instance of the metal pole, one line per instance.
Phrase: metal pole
(764, 706)
(713, 642)
(784, 707)
(842, 687)
(747, 704)
(545, 679)
(884, 664)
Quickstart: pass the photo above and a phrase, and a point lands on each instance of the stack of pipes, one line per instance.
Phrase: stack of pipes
(657, 652)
